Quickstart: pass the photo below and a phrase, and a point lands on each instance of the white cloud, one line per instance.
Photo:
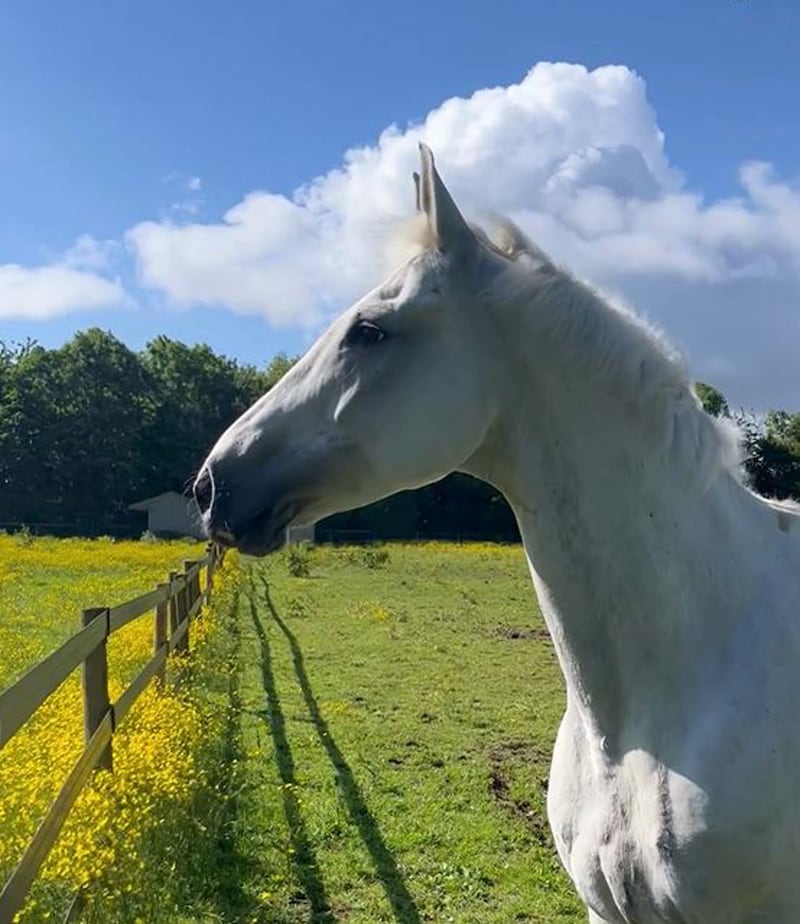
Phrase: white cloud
(41, 292)
(190, 200)
(261, 260)
(576, 157)
(89, 253)
(509, 149)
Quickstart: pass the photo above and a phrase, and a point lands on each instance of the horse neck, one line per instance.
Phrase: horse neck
(617, 529)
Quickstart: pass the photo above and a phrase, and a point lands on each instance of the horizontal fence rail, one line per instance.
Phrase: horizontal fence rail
(20, 701)
(175, 604)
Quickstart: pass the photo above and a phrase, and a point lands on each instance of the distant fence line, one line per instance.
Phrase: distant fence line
(345, 536)
(322, 535)
(83, 530)
(368, 536)
(175, 604)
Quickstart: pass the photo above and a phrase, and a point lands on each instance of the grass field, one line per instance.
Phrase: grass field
(373, 746)
(45, 583)
(395, 730)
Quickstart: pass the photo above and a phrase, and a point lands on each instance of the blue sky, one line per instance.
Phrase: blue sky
(113, 115)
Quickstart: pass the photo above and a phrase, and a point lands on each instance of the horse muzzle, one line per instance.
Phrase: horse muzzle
(253, 533)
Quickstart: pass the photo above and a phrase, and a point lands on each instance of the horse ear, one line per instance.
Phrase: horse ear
(447, 223)
(416, 190)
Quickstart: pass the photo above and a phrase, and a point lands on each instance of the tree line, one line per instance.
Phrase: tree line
(771, 444)
(93, 426)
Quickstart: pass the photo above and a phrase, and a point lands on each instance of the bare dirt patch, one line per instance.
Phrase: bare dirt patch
(504, 759)
(522, 633)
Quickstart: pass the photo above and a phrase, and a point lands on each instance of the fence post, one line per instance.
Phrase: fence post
(160, 629)
(212, 559)
(196, 592)
(190, 598)
(96, 702)
(173, 605)
(183, 611)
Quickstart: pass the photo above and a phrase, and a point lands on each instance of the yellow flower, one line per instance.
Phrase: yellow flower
(159, 770)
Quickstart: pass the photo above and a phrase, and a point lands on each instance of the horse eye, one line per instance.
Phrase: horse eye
(364, 333)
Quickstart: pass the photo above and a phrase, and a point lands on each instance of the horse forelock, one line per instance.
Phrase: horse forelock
(415, 235)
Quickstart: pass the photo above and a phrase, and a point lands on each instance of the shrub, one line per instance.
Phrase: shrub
(23, 537)
(375, 556)
(298, 560)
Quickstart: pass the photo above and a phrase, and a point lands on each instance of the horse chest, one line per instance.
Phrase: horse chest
(621, 859)
(637, 841)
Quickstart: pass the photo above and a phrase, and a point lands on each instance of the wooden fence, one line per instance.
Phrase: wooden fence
(174, 605)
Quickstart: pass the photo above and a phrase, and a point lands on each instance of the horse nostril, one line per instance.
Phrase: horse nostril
(204, 490)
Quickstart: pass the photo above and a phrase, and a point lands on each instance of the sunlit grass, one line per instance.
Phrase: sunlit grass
(45, 583)
(133, 839)
(397, 721)
(366, 743)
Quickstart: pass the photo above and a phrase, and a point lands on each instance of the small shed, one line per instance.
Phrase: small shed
(170, 515)
(297, 534)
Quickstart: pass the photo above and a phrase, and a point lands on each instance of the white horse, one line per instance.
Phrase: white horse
(671, 591)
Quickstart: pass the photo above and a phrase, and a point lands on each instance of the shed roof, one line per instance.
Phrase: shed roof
(149, 502)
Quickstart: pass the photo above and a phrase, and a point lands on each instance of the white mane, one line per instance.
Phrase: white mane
(612, 344)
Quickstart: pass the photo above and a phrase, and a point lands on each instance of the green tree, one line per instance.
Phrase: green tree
(772, 445)
(193, 396)
(253, 383)
(88, 428)
(277, 368)
(70, 430)
(772, 453)
(712, 399)
(783, 429)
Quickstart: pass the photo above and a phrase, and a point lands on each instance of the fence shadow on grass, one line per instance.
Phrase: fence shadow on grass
(304, 860)
(230, 868)
(403, 906)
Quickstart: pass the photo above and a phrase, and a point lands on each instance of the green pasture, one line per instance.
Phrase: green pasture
(46, 582)
(388, 718)
(394, 727)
